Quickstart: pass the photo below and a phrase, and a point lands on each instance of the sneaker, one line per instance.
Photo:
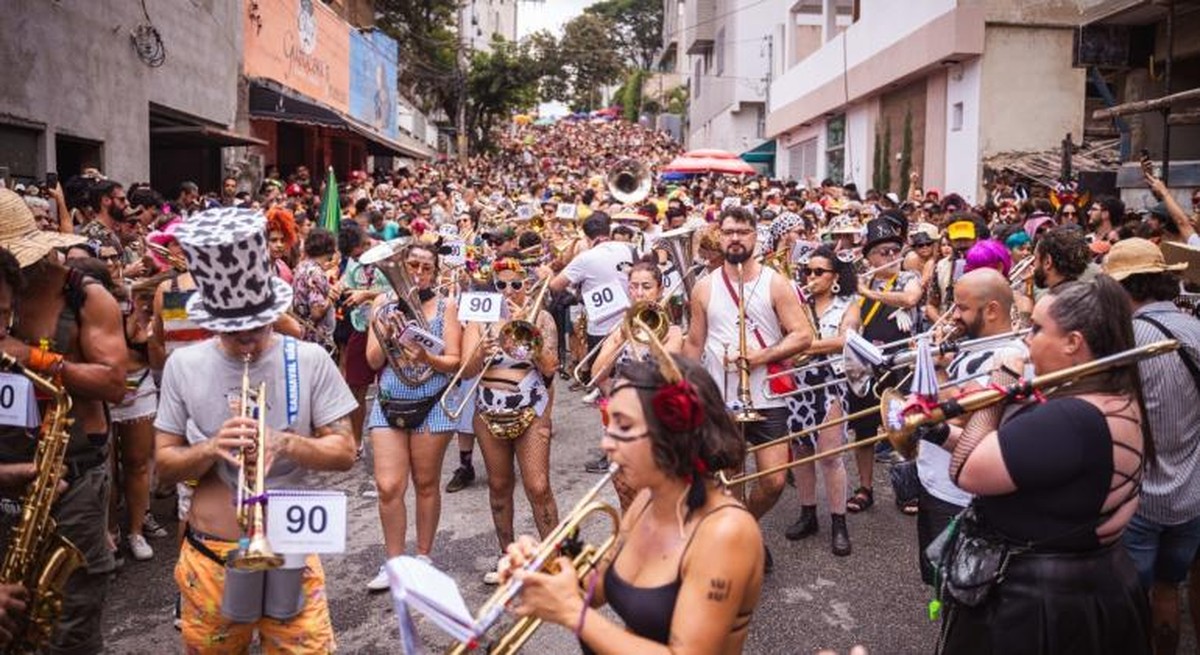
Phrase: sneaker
(425, 558)
(462, 478)
(380, 582)
(599, 465)
(151, 527)
(491, 578)
(591, 397)
(139, 548)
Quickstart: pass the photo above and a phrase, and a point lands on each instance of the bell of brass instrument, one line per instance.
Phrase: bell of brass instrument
(388, 259)
(646, 313)
(38, 558)
(679, 248)
(629, 182)
(564, 540)
(745, 411)
(254, 552)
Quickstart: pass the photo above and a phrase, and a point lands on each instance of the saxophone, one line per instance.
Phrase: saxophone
(38, 558)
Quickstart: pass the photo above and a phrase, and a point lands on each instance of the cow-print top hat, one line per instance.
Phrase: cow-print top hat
(226, 249)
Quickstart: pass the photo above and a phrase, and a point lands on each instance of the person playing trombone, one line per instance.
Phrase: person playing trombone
(513, 402)
(831, 285)
(403, 450)
(687, 569)
(645, 286)
(773, 330)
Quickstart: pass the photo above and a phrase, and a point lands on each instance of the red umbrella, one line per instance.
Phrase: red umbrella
(710, 153)
(687, 164)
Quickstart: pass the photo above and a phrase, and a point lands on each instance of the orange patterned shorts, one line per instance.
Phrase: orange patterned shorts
(206, 632)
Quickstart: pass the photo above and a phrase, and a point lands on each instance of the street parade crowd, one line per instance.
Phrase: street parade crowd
(1025, 366)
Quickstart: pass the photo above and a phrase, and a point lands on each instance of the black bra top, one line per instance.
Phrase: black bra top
(647, 611)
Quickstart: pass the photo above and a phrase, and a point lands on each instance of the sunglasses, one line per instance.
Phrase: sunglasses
(110, 259)
(815, 271)
(419, 267)
(515, 285)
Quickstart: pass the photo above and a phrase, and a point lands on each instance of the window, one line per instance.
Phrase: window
(956, 117)
(696, 80)
(835, 148)
(721, 51)
(802, 160)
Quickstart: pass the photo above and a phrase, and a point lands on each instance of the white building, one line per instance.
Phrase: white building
(483, 18)
(971, 78)
(733, 49)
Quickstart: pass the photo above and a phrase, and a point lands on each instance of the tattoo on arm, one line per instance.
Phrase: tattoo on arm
(338, 426)
(718, 589)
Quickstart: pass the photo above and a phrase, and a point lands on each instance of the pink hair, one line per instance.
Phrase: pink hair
(988, 254)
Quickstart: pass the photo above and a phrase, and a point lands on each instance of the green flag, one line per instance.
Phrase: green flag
(331, 210)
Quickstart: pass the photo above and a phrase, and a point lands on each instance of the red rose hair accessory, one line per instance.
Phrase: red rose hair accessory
(678, 407)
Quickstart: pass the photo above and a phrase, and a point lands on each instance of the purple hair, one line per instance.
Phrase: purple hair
(988, 254)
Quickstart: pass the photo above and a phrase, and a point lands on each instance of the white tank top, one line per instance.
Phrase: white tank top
(723, 331)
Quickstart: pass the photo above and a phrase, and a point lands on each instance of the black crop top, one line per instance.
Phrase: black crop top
(647, 611)
(1060, 456)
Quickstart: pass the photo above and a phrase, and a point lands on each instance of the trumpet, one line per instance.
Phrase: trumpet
(519, 339)
(898, 426)
(563, 540)
(643, 312)
(254, 552)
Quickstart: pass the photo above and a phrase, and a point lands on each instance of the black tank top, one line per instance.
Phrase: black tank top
(647, 611)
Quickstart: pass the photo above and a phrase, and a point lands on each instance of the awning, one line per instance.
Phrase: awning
(199, 136)
(763, 153)
(270, 101)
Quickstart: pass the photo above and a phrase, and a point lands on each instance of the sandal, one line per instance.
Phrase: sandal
(863, 498)
(910, 507)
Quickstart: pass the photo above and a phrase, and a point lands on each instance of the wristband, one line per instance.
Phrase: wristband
(45, 361)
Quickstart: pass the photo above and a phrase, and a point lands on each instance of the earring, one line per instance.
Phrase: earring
(836, 288)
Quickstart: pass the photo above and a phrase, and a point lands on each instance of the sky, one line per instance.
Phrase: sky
(549, 15)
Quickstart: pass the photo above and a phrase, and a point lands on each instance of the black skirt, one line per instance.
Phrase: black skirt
(1057, 604)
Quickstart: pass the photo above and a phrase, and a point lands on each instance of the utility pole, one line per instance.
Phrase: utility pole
(770, 44)
(464, 45)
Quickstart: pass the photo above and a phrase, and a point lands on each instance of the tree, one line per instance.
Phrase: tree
(885, 181)
(906, 146)
(583, 61)
(429, 72)
(638, 24)
(500, 83)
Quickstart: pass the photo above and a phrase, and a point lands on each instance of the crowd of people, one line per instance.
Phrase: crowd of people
(1057, 520)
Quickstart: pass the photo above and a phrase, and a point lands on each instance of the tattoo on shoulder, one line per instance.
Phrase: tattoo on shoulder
(338, 426)
(718, 589)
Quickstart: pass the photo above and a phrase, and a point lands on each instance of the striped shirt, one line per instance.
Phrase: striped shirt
(1171, 487)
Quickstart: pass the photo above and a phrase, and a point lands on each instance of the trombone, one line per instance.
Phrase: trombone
(898, 427)
(642, 313)
(900, 359)
(523, 339)
(563, 540)
(254, 552)
(744, 411)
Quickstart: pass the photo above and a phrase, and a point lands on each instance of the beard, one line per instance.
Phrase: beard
(737, 255)
(1039, 277)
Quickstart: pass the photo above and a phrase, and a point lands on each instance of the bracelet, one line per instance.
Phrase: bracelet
(45, 361)
(587, 603)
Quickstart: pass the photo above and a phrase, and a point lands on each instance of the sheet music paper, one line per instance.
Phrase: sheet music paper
(422, 587)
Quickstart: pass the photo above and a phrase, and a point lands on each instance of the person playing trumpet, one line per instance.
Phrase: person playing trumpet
(831, 285)
(401, 450)
(887, 299)
(513, 403)
(687, 569)
(201, 429)
(645, 286)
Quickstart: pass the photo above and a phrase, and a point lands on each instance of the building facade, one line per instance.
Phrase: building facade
(876, 87)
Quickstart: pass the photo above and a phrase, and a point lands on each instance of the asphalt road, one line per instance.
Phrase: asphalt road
(812, 600)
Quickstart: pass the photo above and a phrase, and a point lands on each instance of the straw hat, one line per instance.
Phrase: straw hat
(1137, 256)
(20, 235)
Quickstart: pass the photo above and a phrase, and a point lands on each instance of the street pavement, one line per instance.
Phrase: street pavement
(812, 600)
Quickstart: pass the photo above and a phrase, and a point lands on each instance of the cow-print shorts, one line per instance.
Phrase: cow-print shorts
(811, 407)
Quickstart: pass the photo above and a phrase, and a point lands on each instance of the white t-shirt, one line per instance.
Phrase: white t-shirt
(597, 266)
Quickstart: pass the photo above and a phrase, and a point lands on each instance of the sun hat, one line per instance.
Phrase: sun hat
(226, 249)
(19, 233)
(1136, 256)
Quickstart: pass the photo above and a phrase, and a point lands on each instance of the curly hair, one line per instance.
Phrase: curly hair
(847, 277)
(1067, 249)
(715, 442)
(281, 220)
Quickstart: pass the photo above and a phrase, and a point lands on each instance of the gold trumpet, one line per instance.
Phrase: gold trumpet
(254, 552)
(177, 262)
(898, 427)
(519, 339)
(745, 411)
(563, 540)
(642, 313)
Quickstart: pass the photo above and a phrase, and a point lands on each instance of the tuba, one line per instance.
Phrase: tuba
(629, 182)
(39, 559)
(390, 320)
